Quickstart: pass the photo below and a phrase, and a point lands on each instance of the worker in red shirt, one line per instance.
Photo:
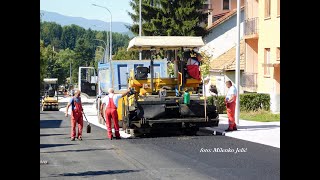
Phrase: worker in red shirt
(111, 102)
(76, 115)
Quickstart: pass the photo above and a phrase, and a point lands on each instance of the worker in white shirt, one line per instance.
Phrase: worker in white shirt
(230, 101)
(111, 102)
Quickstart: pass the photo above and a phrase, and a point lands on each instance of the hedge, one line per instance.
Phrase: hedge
(248, 102)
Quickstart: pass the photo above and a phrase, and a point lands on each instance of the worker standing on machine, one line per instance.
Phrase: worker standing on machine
(111, 102)
(76, 115)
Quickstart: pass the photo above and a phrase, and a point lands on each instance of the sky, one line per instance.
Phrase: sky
(85, 9)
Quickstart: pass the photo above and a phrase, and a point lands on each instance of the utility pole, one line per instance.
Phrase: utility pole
(140, 51)
(238, 63)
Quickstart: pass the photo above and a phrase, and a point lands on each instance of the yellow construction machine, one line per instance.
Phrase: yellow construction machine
(172, 103)
(50, 99)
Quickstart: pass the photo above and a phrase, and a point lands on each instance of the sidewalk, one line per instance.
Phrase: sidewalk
(267, 133)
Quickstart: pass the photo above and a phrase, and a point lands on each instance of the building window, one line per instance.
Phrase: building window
(278, 8)
(267, 8)
(267, 61)
(278, 53)
(225, 4)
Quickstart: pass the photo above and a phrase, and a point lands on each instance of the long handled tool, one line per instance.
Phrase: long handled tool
(88, 126)
(204, 99)
(104, 119)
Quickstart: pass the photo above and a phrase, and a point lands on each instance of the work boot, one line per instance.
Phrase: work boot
(235, 127)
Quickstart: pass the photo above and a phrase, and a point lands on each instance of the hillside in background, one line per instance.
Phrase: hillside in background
(85, 23)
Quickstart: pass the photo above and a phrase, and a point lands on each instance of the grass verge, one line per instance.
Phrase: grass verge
(260, 116)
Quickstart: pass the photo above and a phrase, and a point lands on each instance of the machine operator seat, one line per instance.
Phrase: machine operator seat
(141, 73)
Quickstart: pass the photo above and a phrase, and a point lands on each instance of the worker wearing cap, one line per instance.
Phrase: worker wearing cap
(111, 102)
(76, 115)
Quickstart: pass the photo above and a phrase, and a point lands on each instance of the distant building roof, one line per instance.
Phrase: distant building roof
(223, 18)
(227, 61)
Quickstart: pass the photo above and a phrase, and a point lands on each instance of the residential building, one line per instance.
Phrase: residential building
(223, 68)
(218, 8)
(221, 49)
(262, 45)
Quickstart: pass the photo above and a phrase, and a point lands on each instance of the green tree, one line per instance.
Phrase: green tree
(65, 58)
(53, 69)
(60, 45)
(123, 54)
(169, 17)
(70, 36)
(119, 40)
(50, 33)
(84, 54)
(43, 63)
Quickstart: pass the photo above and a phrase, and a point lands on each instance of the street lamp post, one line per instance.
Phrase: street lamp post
(104, 49)
(110, 56)
(104, 52)
(70, 72)
(107, 47)
(100, 55)
(110, 51)
(237, 110)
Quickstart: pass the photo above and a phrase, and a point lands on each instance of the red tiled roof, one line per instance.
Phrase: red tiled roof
(224, 18)
(220, 15)
(227, 61)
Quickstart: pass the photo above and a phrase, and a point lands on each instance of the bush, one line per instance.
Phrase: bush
(254, 102)
(248, 102)
(221, 106)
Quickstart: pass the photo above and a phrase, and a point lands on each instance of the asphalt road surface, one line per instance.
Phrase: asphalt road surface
(157, 158)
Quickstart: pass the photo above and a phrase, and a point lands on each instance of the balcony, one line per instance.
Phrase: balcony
(251, 28)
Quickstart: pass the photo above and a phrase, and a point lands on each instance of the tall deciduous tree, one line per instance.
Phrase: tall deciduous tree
(66, 58)
(43, 62)
(71, 43)
(84, 55)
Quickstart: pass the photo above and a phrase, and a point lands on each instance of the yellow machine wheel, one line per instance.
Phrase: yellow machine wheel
(44, 108)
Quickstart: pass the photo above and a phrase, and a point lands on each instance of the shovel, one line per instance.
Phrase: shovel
(88, 126)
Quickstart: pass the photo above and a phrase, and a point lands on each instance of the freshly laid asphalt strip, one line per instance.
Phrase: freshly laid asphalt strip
(166, 157)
